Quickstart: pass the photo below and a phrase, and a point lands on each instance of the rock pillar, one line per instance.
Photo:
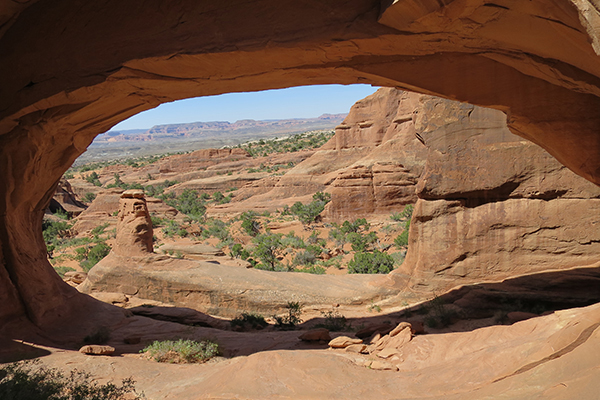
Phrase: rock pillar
(134, 227)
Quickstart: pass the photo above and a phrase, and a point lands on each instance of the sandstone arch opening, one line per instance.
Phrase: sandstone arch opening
(47, 127)
(74, 74)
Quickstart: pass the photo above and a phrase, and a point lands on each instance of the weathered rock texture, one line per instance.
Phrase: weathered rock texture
(66, 200)
(134, 227)
(492, 205)
(224, 290)
(73, 69)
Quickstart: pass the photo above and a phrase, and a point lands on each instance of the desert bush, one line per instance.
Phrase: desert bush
(292, 241)
(334, 322)
(88, 256)
(371, 263)
(89, 197)
(249, 223)
(218, 229)
(99, 230)
(55, 233)
(401, 240)
(28, 381)
(291, 319)
(307, 214)
(94, 179)
(362, 242)
(267, 249)
(249, 321)
(182, 351)
(173, 228)
(188, 202)
(238, 251)
(313, 269)
(61, 270)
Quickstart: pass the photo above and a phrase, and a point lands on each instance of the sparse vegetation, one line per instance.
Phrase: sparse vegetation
(247, 321)
(334, 322)
(267, 249)
(30, 381)
(291, 319)
(182, 351)
(249, 223)
(88, 256)
(309, 213)
(302, 141)
(89, 197)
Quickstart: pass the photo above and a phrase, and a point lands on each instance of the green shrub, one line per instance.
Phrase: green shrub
(292, 241)
(334, 322)
(182, 351)
(94, 179)
(313, 269)
(309, 213)
(305, 257)
(173, 228)
(249, 321)
(156, 221)
(99, 230)
(249, 223)
(188, 202)
(55, 233)
(238, 251)
(90, 256)
(361, 242)
(61, 271)
(291, 319)
(218, 229)
(89, 197)
(267, 249)
(402, 239)
(28, 381)
(371, 263)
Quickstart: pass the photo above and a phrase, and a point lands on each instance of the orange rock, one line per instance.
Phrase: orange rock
(134, 227)
(341, 342)
(97, 350)
(316, 335)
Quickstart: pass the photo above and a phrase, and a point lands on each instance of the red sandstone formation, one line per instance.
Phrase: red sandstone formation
(73, 69)
(134, 227)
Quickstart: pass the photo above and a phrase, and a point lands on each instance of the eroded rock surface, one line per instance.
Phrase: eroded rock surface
(134, 227)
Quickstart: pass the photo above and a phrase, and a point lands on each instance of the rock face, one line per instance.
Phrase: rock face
(66, 199)
(384, 179)
(134, 227)
(492, 205)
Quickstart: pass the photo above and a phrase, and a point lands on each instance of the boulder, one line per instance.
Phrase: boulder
(316, 335)
(342, 342)
(97, 350)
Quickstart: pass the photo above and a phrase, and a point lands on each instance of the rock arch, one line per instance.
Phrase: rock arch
(72, 69)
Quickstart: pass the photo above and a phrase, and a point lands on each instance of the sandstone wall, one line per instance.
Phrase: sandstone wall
(492, 205)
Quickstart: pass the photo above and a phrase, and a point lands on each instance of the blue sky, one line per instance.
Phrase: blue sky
(296, 102)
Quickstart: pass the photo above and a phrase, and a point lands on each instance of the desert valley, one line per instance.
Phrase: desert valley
(438, 241)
